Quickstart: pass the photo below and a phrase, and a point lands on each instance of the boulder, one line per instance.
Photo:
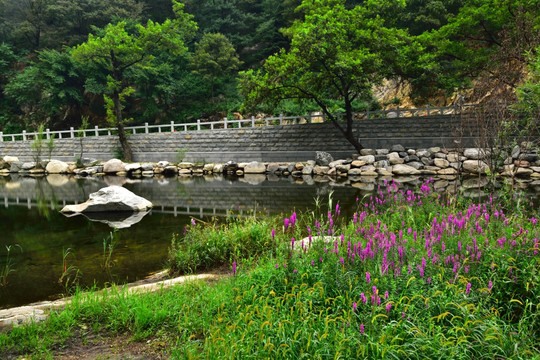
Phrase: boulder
(475, 153)
(354, 172)
(416, 164)
(320, 170)
(218, 169)
(28, 165)
(336, 163)
(163, 164)
(147, 167)
(111, 198)
(272, 168)
(208, 168)
(401, 169)
(343, 168)
(441, 163)
(394, 158)
(397, 148)
(133, 167)
(515, 152)
(10, 159)
(358, 163)
(230, 166)
(424, 153)
(523, 172)
(369, 159)
(475, 166)
(255, 167)
(114, 166)
(170, 170)
(16, 166)
(57, 167)
(307, 170)
(323, 158)
(366, 152)
(452, 157)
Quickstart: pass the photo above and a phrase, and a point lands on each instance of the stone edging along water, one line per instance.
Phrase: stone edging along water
(521, 161)
(39, 311)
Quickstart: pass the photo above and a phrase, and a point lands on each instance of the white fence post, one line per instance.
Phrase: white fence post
(146, 128)
(48, 132)
(280, 119)
(96, 132)
(225, 123)
(24, 135)
(72, 132)
(172, 126)
(198, 124)
(252, 121)
(1, 136)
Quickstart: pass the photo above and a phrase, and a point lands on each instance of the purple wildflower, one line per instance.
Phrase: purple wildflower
(368, 277)
(468, 290)
(234, 268)
(361, 328)
(354, 307)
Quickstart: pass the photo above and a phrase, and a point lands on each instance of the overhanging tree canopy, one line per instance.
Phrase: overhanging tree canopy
(336, 56)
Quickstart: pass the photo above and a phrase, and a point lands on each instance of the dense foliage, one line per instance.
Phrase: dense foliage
(411, 275)
(435, 45)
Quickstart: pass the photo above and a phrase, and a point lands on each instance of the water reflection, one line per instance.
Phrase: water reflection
(115, 220)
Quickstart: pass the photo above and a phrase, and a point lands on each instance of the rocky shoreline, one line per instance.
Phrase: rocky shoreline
(521, 161)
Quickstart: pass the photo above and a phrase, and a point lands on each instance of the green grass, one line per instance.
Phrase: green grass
(448, 279)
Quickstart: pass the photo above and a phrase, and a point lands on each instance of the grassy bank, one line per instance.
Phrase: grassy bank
(409, 276)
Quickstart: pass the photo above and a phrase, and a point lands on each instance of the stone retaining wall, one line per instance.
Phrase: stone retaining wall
(275, 143)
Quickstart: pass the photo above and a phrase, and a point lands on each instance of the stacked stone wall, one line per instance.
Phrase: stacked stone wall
(274, 143)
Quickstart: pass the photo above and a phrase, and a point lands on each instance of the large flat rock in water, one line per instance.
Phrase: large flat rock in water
(111, 198)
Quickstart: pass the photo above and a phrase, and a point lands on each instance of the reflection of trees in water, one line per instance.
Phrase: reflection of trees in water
(45, 202)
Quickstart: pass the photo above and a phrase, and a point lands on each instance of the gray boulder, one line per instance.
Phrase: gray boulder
(111, 198)
(323, 158)
(16, 166)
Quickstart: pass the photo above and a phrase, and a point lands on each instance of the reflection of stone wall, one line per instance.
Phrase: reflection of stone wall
(275, 143)
(195, 193)
(190, 195)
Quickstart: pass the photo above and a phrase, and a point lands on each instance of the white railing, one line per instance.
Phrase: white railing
(229, 124)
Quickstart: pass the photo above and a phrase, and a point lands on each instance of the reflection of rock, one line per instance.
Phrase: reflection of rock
(253, 179)
(12, 185)
(111, 198)
(117, 220)
(475, 183)
(114, 180)
(57, 179)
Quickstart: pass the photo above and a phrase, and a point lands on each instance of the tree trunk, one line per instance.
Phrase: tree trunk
(126, 149)
(348, 131)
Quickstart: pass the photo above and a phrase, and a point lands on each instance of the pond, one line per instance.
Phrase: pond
(43, 252)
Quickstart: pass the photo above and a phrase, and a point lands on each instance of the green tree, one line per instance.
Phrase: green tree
(75, 19)
(486, 38)
(214, 57)
(48, 90)
(116, 52)
(336, 55)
